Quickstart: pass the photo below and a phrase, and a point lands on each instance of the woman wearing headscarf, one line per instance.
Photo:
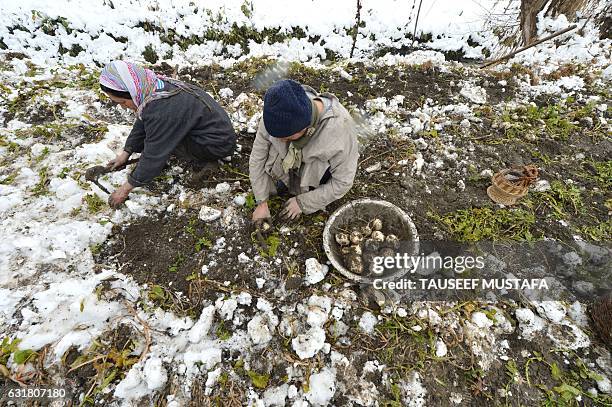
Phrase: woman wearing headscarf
(173, 118)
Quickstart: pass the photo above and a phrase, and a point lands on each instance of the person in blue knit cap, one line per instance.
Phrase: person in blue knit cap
(306, 147)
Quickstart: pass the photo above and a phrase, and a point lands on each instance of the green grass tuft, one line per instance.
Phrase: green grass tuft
(475, 224)
(562, 199)
(94, 203)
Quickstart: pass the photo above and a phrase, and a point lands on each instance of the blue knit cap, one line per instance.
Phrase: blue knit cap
(287, 109)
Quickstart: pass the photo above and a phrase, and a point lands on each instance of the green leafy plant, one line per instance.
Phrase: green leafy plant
(431, 133)
(222, 332)
(64, 173)
(397, 397)
(190, 228)
(150, 55)
(553, 120)
(202, 243)
(158, 295)
(23, 356)
(109, 363)
(43, 154)
(7, 348)
(260, 381)
(599, 233)
(602, 173)
(247, 8)
(11, 347)
(94, 203)
(512, 370)
(157, 292)
(556, 125)
(180, 259)
(250, 203)
(95, 249)
(272, 241)
(562, 198)
(567, 392)
(474, 224)
(9, 179)
(193, 276)
(42, 186)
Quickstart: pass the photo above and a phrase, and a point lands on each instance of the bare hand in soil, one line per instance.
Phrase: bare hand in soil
(261, 212)
(292, 209)
(118, 197)
(262, 221)
(262, 227)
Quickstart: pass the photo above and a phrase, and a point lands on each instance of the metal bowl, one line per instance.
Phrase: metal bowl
(395, 221)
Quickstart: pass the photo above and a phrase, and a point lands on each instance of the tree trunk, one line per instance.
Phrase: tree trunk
(529, 19)
(567, 7)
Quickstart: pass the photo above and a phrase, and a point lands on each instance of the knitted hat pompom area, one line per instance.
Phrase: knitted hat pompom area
(287, 109)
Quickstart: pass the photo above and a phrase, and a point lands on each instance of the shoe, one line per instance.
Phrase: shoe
(201, 172)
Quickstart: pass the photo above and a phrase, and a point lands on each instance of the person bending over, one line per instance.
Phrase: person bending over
(305, 146)
(173, 118)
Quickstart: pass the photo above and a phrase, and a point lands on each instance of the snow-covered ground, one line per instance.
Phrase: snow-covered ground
(105, 30)
(54, 298)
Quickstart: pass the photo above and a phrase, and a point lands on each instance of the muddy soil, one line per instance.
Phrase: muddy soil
(416, 83)
(170, 250)
(483, 146)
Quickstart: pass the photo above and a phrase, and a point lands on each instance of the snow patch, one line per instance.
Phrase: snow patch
(367, 322)
(308, 344)
(322, 387)
(315, 271)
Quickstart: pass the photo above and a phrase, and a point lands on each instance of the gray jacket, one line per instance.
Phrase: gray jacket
(168, 122)
(333, 145)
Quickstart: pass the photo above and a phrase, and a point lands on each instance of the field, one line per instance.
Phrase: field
(150, 305)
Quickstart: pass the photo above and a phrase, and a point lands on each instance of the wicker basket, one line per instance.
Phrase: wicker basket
(506, 192)
(601, 312)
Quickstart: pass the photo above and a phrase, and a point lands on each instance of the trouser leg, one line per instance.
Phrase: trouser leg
(194, 153)
(283, 190)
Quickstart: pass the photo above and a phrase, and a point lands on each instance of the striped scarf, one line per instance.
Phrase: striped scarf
(141, 83)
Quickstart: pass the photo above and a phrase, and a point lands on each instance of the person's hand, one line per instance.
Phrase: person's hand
(119, 196)
(261, 213)
(262, 222)
(292, 209)
(118, 161)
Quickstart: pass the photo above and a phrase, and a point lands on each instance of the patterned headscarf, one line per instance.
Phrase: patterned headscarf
(141, 83)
